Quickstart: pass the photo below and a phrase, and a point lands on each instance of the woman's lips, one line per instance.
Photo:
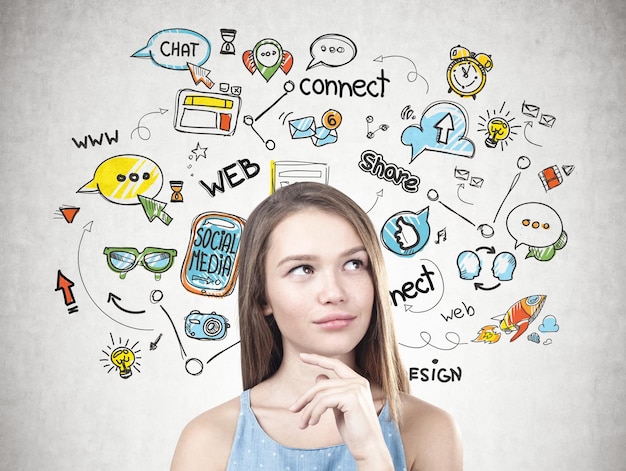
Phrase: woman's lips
(335, 321)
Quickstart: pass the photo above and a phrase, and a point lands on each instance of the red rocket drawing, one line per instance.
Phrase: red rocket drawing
(521, 314)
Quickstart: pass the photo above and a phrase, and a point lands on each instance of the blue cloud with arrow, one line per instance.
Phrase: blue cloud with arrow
(443, 128)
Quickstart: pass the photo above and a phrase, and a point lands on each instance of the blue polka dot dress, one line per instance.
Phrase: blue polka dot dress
(253, 449)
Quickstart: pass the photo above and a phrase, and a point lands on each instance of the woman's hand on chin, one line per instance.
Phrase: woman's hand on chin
(350, 398)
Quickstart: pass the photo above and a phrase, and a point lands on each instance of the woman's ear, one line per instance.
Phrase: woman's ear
(267, 309)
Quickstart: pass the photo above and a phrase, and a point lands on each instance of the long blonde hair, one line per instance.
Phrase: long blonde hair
(377, 356)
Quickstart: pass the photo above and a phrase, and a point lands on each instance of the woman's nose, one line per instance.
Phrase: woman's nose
(331, 289)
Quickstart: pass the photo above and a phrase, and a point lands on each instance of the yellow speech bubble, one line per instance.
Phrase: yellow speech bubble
(122, 178)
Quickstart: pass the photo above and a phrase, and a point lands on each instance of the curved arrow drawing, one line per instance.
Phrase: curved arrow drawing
(379, 195)
(481, 286)
(458, 193)
(409, 308)
(113, 298)
(411, 76)
(529, 123)
(141, 128)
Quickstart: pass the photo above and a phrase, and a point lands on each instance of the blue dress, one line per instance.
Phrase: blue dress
(253, 449)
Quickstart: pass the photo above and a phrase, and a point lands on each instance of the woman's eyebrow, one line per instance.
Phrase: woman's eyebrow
(296, 258)
(309, 258)
(354, 250)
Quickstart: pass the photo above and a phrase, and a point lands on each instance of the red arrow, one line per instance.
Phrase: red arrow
(65, 284)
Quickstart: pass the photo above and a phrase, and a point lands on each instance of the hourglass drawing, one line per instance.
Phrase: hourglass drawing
(228, 35)
(177, 187)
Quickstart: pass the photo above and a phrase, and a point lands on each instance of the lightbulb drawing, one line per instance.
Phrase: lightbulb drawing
(124, 359)
(498, 128)
(121, 358)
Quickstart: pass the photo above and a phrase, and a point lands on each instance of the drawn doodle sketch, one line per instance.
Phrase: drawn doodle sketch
(482, 140)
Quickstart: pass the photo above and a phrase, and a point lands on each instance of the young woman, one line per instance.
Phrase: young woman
(324, 386)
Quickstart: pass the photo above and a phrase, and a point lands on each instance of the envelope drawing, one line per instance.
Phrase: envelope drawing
(530, 110)
(477, 182)
(302, 127)
(547, 120)
(461, 174)
(324, 136)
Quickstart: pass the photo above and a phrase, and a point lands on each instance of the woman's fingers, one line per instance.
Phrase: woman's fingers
(349, 397)
(332, 364)
(345, 376)
(338, 397)
(342, 393)
(321, 386)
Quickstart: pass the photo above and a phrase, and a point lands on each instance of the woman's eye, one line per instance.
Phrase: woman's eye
(302, 270)
(354, 264)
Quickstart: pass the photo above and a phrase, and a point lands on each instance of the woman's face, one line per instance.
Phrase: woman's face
(319, 284)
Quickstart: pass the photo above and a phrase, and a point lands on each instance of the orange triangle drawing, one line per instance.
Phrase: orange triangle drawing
(69, 213)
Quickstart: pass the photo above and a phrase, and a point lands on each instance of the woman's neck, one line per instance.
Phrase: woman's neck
(294, 377)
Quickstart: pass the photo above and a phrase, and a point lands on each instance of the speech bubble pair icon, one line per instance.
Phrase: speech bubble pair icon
(539, 227)
(268, 56)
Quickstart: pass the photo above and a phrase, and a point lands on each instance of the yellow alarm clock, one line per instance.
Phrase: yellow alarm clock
(467, 73)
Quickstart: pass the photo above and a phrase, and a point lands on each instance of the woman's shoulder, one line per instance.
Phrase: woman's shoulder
(206, 441)
(430, 436)
(417, 413)
(216, 420)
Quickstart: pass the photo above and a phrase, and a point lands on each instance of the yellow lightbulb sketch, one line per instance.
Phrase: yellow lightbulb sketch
(498, 126)
(121, 358)
(498, 130)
